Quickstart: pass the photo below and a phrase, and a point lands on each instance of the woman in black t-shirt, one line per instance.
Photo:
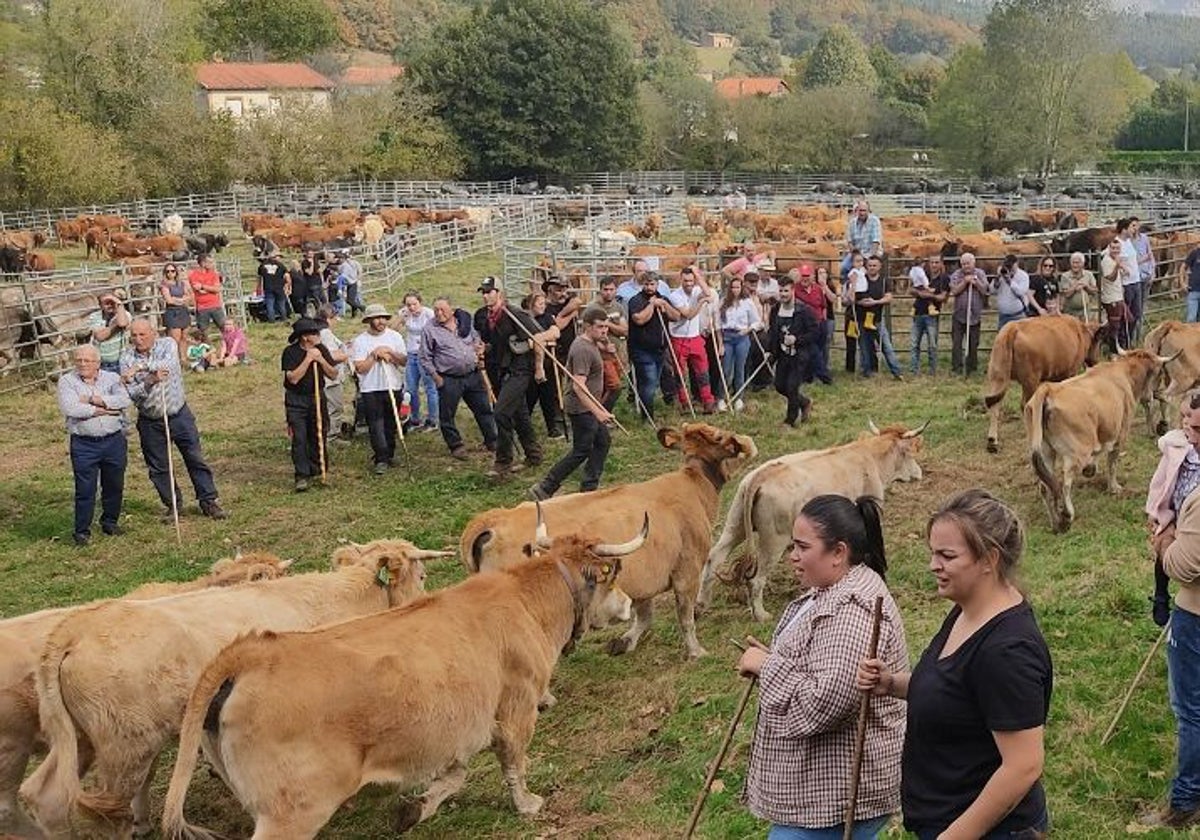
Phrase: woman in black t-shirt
(979, 696)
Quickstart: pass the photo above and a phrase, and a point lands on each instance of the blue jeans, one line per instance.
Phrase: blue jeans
(924, 327)
(415, 375)
(1183, 671)
(1004, 319)
(275, 303)
(889, 352)
(105, 457)
(1193, 307)
(1039, 829)
(186, 438)
(647, 366)
(737, 350)
(863, 830)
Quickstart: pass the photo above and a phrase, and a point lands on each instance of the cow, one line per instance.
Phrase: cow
(116, 675)
(39, 262)
(683, 504)
(1181, 342)
(1035, 350)
(16, 325)
(769, 498)
(95, 238)
(67, 232)
(21, 641)
(372, 231)
(341, 217)
(12, 260)
(696, 215)
(171, 225)
(476, 658)
(1071, 423)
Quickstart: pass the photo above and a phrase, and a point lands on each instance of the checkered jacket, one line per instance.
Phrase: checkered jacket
(799, 768)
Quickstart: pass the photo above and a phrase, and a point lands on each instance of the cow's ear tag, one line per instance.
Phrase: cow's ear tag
(384, 577)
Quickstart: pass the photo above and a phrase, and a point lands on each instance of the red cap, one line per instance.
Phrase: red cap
(806, 270)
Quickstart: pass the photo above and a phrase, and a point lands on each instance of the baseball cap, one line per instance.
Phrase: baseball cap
(489, 284)
(806, 270)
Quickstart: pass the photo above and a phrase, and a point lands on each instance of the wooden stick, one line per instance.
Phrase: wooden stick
(716, 766)
(171, 463)
(487, 383)
(683, 379)
(320, 423)
(860, 737)
(766, 356)
(746, 384)
(395, 408)
(719, 349)
(1108, 733)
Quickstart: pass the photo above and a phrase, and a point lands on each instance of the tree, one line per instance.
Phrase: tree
(840, 59)
(261, 29)
(759, 55)
(532, 86)
(179, 149)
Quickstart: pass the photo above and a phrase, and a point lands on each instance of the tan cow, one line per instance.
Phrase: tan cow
(770, 497)
(1049, 348)
(1180, 342)
(683, 505)
(117, 674)
(401, 697)
(346, 216)
(21, 641)
(1070, 424)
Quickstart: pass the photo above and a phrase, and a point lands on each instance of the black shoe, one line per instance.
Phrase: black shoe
(459, 453)
(82, 539)
(1160, 610)
(113, 530)
(302, 485)
(381, 467)
(213, 510)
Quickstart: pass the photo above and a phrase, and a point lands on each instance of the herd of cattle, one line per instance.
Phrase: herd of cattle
(104, 688)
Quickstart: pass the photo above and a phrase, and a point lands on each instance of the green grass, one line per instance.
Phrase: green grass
(623, 753)
(714, 60)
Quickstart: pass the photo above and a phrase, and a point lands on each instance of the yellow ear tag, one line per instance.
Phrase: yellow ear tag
(384, 577)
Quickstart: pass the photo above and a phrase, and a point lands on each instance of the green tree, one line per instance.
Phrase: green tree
(759, 55)
(888, 70)
(840, 59)
(180, 149)
(50, 158)
(534, 86)
(260, 29)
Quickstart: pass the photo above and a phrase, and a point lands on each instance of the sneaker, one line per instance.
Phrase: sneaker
(738, 405)
(381, 468)
(556, 436)
(538, 494)
(431, 425)
(1169, 817)
(213, 510)
(721, 406)
(498, 470)
(81, 539)
(113, 530)
(459, 453)
(301, 485)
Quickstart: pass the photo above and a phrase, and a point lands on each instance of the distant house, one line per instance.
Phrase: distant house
(720, 40)
(362, 79)
(737, 87)
(245, 88)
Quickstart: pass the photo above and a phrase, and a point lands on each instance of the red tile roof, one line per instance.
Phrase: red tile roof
(231, 75)
(371, 76)
(736, 87)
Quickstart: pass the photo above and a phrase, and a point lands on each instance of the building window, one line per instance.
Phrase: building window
(274, 104)
(234, 105)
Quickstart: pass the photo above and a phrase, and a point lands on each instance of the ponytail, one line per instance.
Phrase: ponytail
(857, 524)
(874, 555)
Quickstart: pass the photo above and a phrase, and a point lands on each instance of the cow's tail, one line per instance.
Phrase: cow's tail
(1037, 415)
(1000, 366)
(742, 511)
(55, 787)
(203, 711)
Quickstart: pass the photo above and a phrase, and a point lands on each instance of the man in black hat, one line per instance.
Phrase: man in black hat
(509, 333)
(306, 362)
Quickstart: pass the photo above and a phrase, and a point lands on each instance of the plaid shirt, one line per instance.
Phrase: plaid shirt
(163, 356)
(799, 768)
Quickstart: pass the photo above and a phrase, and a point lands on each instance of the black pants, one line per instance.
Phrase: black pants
(469, 388)
(301, 413)
(104, 457)
(512, 419)
(957, 329)
(381, 423)
(546, 394)
(589, 446)
(186, 437)
(790, 374)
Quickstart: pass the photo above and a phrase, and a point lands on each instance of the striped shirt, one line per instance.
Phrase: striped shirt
(163, 356)
(799, 765)
(73, 401)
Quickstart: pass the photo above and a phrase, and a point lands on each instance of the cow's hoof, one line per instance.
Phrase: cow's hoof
(1161, 428)
(761, 616)
(618, 646)
(992, 446)
(1089, 471)
(530, 804)
(408, 814)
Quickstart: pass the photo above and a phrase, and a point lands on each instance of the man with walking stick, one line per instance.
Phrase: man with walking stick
(648, 338)
(450, 358)
(306, 363)
(379, 356)
(969, 288)
(151, 373)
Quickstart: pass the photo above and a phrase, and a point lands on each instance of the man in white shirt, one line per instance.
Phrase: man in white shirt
(1131, 273)
(687, 340)
(379, 357)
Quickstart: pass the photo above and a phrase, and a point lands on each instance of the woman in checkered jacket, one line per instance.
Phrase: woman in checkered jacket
(799, 769)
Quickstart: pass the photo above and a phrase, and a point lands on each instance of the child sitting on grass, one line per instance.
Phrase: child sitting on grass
(234, 347)
(200, 354)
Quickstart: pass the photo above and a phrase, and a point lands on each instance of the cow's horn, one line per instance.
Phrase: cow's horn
(1121, 351)
(621, 549)
(871, 425)
(914, 432)
(283, 564)
(1168, 359)
(541, 538)
(428, 554)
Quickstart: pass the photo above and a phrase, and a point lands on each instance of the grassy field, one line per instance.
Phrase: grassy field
(623, 753)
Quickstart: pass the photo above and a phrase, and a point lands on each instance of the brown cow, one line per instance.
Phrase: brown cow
(118, 673)
(394, 217)
(39, 262)
(1070, 424)
(475, 659)
(68, 232)
(769, 498)
(1181, 343)
(130, 248)
(341, 217)
(1050, 348)
(696, 215)
(683, 505)
(21, 641)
